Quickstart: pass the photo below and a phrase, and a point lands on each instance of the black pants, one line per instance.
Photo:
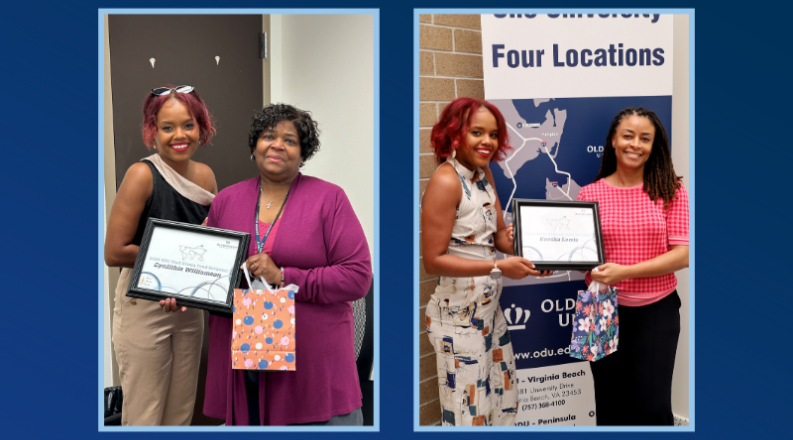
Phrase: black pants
(634, 385)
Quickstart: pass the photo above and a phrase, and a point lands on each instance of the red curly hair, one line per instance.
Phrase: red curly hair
(195, 105)
(455, 119)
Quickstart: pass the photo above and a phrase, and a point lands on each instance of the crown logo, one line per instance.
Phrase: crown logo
(521, 317)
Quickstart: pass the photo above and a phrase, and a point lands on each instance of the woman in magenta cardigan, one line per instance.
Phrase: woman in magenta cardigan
(308, 235)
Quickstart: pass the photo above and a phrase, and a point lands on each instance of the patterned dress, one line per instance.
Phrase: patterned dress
(476, 368)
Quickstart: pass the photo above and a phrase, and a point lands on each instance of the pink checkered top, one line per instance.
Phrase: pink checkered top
(634, 230)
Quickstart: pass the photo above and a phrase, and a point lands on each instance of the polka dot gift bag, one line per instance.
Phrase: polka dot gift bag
(263, 337)
(596, 331)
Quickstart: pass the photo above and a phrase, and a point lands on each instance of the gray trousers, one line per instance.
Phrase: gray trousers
(355, 418)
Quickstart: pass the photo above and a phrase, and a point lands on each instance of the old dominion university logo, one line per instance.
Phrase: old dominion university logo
(516, 317)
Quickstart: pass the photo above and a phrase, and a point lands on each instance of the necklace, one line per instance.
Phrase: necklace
(271, 201)
(260, 242)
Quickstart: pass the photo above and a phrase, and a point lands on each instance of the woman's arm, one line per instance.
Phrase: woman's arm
(439, 209)
(348, 275)
(672, 261)
(125, 214)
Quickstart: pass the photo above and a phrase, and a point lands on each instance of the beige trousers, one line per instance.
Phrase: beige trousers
(158, 357)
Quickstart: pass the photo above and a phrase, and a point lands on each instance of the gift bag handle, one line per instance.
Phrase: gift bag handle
(261, 278)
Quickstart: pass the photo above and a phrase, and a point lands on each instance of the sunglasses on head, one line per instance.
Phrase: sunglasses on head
(165, 90)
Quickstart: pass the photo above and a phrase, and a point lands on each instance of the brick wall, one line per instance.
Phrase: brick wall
(450, 67)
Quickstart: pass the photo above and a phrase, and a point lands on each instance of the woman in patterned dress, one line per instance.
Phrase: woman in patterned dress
(462, 227)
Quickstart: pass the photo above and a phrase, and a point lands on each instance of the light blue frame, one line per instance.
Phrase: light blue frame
(376, 257)
(691, 194)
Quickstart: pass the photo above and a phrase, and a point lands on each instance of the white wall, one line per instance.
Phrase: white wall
(680, 157)
(325, 64)
(110, 279)
(108, 363)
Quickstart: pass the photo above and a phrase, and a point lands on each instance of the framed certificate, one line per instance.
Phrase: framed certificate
(557, 235)
(197, 265)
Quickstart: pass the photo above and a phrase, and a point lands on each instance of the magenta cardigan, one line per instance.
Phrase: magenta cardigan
(322, 247)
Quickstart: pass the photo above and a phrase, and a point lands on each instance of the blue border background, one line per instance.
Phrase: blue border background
(416, 198)
(49, 176)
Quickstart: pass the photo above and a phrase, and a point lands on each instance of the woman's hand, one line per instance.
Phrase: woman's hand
(169, 305)
(610, 274)
(510, 234)
(263, 265)
(518, 267)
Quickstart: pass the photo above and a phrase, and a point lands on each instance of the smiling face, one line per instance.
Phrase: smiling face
(633, 142)
(177, 132)
(480, 142)
(278, 152)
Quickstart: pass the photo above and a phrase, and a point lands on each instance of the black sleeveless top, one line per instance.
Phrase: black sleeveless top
(168, 204)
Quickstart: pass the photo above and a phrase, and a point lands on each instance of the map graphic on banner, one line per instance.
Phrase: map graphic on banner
(557, 149)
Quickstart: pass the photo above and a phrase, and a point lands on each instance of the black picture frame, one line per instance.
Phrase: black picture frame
(223, 306)
(517, 204)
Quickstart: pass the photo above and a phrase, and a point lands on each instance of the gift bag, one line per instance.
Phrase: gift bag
(596, 330)
(263, 337)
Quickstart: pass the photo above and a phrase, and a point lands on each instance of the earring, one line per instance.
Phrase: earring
(454, 153)
(253, 157)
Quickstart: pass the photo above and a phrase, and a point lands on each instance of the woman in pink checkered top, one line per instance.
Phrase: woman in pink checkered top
(644, 214)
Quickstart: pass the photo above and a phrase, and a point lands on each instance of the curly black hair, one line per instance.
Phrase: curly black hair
(270, 116)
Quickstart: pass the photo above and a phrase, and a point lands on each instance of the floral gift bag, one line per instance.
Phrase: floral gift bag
(263, 337)
(596, 330)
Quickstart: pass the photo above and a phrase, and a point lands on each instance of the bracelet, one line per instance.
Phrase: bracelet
(282, 277)
(495, 273)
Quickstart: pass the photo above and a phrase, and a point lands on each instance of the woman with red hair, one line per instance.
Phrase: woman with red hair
(158, 353)
(462, 227)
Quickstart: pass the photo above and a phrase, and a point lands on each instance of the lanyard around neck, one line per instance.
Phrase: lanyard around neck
(260, 243)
